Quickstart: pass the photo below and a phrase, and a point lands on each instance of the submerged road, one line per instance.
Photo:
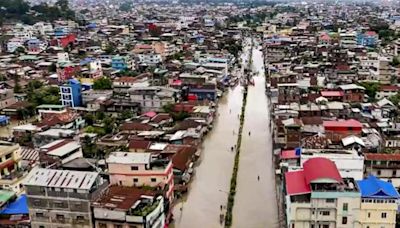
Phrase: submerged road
(255, 201)
(210, 185)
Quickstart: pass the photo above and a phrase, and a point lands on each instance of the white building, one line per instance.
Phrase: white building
(149, 58)
(349, 163)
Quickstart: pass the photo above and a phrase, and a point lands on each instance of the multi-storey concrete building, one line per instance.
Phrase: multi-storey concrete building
(317, 196)
(141, 169)
(61, 198)
(11, 171)
(129, 207)
(378, 203)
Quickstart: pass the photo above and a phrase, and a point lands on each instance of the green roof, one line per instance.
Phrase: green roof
(28, 57)
(5, 196)
(50, 106)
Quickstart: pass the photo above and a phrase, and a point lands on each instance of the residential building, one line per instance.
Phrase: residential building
(141, 169)
(62, 198)
(36, 45)
(45, 110)
(71, 93)
(11, 171)
(317, 196)
(378, 203)
(13, 210)
(288, 93)
(352, 93)
(336, 130)
(152, 98)
(384, 166)
(122, 63)
(59, 152)
(150, 58)
(129, 207)
(7, 98)
(386, 91)
(349, 163)
(92, 95)
(368, 38)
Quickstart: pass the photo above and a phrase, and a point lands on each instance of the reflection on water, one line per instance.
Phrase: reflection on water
(255, 201)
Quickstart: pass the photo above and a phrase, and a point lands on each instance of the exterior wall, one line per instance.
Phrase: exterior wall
(11, 176)
(349, 165)
(121, 174)
(371, 213)
(325, 211)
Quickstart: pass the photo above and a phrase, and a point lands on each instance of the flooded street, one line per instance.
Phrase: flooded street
(255, 201)
(210, 185)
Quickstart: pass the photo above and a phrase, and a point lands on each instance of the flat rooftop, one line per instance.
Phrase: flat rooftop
(129, 158)
(61, 178)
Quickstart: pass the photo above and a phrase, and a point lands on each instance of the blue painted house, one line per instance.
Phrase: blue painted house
(367, 39)
(71, 93)
(378, 202)
(120, 62)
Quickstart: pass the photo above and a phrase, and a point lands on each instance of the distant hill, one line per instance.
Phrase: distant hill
(22, 11)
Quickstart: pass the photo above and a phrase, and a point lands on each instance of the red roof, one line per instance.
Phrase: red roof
(389, 88)
(289, 154)
(370, 33)
(296, 183)
(320, 168)
(342, 123)
(382, 157)
(139, 144)
(150, 114)
(332, 93)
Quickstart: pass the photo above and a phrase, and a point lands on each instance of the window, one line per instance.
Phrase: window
(325, 213)
(378, 172)
(60, 217)
(345, 206)
(39, 215)
(325, 226)
(394, 173)
(344, 220)
(41, 227)
(383, 215)
(80, 217)
(135, 180)
(117, 226)
(330, 200)
(102, 225)
(369, 214)
(134, 168)
(153, 179)
(8, 156)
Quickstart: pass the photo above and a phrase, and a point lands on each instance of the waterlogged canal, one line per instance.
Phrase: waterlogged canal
(255, 202)
(210, 184)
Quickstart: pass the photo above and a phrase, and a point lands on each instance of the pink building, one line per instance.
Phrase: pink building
(141, 169)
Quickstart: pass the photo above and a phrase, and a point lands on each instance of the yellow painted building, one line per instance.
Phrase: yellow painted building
(378, 213)
(378, 203)
(11, 172)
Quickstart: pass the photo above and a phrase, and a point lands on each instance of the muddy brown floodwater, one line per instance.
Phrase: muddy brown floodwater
(255, 201)
(210, 184)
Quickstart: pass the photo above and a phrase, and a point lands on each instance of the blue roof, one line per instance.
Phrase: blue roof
(86, 61)
(373, 187)
(3, 118)
(19, 206)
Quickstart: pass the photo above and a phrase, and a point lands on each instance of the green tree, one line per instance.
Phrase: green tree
(370, 89)
(126, 114)
(108, 124)
(89, 119)
(102, 83)
(395, 62)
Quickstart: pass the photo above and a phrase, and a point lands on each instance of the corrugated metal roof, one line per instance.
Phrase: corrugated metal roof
(61, 178)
